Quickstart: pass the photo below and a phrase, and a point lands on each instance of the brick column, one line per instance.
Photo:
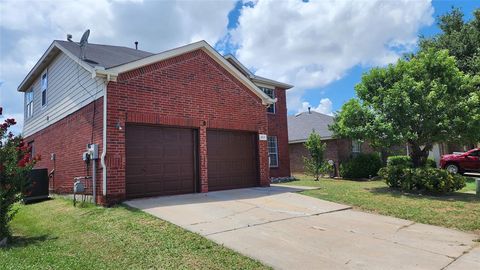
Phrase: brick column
(203, 159)
(263, 162)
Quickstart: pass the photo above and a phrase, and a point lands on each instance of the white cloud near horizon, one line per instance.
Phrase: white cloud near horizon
(313, 44)
(307, 44)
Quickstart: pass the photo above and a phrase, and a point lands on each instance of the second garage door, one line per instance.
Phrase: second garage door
(232, 160)
(160, 160)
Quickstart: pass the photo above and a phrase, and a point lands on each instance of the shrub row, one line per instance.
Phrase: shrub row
(426, 179)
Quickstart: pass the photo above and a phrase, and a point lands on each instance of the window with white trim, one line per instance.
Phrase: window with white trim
(29, 104)
(271, 93)
(44, 87)
(356, 146)
(272, 151)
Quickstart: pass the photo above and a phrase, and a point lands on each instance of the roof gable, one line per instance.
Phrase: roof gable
(301, 125)
(109, 61)
(202, 45)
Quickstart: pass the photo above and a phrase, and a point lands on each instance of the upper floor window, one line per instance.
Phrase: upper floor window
(44, 87)
(29, 104)
(272, 146)
(271, 93)
(356, 146)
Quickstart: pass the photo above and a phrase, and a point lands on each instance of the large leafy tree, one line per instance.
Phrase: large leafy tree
(460, 38)
(418, 101)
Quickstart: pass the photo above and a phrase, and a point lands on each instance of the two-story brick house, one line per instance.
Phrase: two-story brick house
(181, 121)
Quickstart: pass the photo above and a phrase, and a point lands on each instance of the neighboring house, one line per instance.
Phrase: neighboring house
(181, 121)
(301, 125)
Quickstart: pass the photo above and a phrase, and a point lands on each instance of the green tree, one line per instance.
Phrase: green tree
(314, 164)
(417, 101)
(460, 38)
(15, 165)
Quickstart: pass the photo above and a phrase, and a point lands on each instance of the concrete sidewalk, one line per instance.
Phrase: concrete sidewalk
(290, 231)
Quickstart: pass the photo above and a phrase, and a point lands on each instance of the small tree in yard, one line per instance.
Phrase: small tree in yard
(417, 101)
(314, 164)
(15, 166)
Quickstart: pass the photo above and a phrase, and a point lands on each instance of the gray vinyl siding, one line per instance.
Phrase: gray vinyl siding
(65, 93)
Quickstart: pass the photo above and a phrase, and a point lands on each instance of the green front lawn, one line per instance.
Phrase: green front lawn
(458, 210)
(471, 186)
(55, 235)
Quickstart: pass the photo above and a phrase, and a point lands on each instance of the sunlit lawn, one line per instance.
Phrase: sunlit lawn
(458, 210)
(55, 235)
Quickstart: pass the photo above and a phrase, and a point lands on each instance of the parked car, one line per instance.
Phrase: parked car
(460, 163)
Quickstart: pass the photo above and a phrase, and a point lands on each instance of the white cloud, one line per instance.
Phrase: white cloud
(28, 27)
(325, 106)
(313, 44)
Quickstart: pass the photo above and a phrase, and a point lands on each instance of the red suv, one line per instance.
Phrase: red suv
(460, 163)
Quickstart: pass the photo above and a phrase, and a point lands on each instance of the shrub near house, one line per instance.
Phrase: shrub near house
(399, 173)
(15, 165)
(361, 166)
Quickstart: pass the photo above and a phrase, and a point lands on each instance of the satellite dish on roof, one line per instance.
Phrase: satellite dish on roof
(84, 39)
(83, 43)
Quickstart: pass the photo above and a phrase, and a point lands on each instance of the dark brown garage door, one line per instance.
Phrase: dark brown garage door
(232, 160)
(160, 161)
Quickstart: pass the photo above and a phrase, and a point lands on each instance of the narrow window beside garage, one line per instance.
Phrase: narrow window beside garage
(272, 151)
(271, 93)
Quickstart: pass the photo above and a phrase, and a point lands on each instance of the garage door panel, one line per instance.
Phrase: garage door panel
(160, 161)
(232, 159)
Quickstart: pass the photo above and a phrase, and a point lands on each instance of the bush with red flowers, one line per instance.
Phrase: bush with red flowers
(15, 166)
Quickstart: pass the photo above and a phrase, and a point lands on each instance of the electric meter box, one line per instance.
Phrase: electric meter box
(93, 150)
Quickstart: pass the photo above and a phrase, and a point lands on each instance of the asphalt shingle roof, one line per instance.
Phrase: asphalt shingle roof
(301, 125)
(105, 55)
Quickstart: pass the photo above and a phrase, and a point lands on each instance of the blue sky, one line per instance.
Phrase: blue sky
(343, 89)
(321, 47)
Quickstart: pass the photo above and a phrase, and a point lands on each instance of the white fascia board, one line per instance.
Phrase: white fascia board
(255, 78)
(203, 45)
(258, 79)
(26, 81)
(75, 58)
(240, 65)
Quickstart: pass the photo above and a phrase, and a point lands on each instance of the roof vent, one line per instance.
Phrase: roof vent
(309, 110)
(136, 45)
(69, 37)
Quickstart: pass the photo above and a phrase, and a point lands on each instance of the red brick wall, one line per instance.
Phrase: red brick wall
(67, 139)
(190, 90)
(277, 126)
(337, 150)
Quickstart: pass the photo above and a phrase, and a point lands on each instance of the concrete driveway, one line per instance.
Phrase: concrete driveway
(290, 231)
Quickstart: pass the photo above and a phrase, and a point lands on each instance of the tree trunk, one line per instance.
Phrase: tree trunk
(3, 242)
(419, 156)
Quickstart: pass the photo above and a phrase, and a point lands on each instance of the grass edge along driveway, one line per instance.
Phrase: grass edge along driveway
(55, 235)
(458, 210)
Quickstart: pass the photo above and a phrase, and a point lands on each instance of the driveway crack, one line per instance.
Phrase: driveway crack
(458, 257)
(405, 226)
(278, 220)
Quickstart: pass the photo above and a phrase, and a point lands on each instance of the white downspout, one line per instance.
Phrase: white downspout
(104, 147)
